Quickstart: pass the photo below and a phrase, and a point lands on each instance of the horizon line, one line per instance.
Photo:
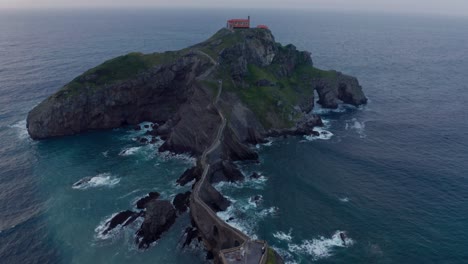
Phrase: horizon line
(289, 8)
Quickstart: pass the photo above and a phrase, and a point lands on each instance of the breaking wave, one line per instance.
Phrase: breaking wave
(357, 126)
(248, 182)
(104, 224)
(245, 215)
(21, 129)
(283, 236)
(321, 247)
(319, 110)
(323, 134)
(99, 230)
(100, 180)
(233, 217)
(186, 158)
(269, 143)
(344, 199)
(129, 151)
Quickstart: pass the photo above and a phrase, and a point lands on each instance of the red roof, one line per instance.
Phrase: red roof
(238, 20)
(262, 26)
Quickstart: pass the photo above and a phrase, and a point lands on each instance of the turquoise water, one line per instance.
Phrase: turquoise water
(392, 176)
(123, 171)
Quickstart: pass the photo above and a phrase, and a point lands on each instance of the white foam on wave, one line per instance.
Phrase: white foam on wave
(21, 129)
(104, 224)
(319, 110)
(100, 180)
(243, 214)
(344, 199)
(286, 255)
(272, 211)
(232, 218)
(132, 134)
(147, 126)
(252, 183)
(357, 126)
(323, 134)
(283, 236)
(321, 247)
(186, 158)
(255, 201)
(269, 143)
(129, 151)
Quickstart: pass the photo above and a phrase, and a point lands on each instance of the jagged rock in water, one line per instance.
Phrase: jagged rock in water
(255, 175)
(342, 88)
(189, 175)
(159, 217)
(141, 203)
(225, 171)
(181, 201)
(123, 218)
(190, 234)
(213, 198)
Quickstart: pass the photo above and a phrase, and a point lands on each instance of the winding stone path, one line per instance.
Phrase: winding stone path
(249, 251)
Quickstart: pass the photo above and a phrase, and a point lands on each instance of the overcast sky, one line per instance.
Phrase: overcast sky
(445, 7)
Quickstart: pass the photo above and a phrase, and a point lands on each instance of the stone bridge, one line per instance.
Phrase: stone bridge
(228, 244)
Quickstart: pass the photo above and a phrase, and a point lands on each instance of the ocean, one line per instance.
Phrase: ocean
(392, 174)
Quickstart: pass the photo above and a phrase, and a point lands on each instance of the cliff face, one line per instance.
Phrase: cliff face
(86, 104)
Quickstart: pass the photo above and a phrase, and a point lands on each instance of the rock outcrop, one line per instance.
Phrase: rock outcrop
(181, 202)
(342, 88)
(225, 171)
(189, 175)
(141, 203)
(159, 217)
(123, 219)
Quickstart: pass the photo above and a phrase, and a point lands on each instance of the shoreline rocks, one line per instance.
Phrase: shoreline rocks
(159, 217)
(141, 203)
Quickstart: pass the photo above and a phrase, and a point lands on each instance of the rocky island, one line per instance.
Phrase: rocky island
(212, 100)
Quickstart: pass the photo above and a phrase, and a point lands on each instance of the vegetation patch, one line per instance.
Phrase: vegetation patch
(271, 257)
(116, 70)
